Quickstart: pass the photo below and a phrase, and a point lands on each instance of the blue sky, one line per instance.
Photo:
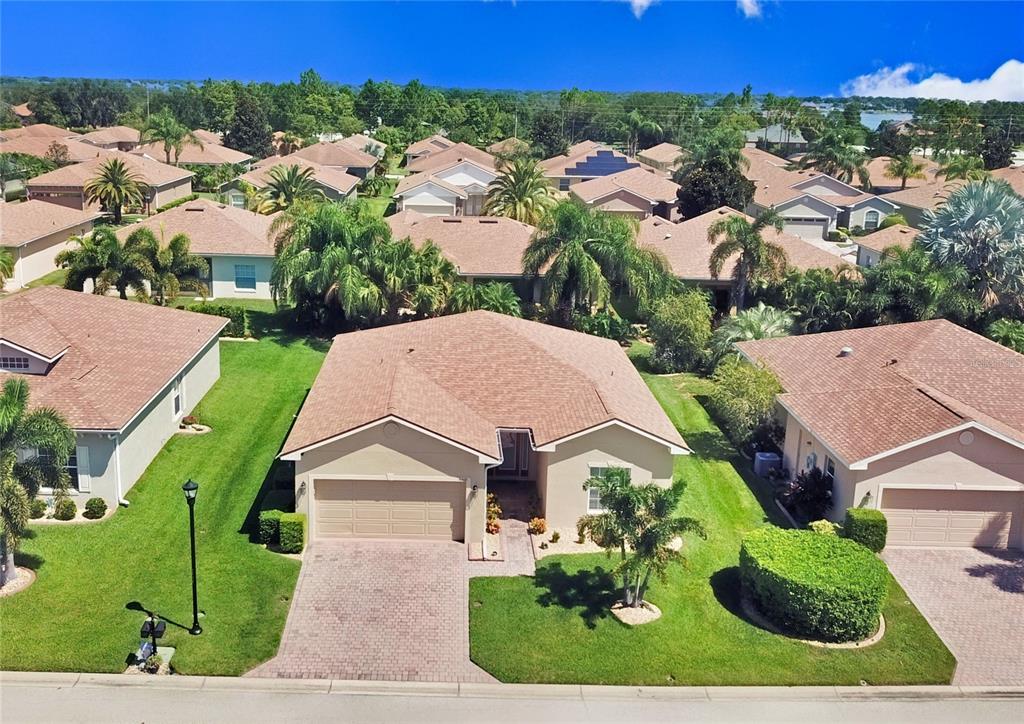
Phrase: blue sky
(802, 48)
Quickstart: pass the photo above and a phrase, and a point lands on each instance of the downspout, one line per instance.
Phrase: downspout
(116, 437)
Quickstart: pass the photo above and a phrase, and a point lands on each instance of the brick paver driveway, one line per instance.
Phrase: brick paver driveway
(395, 610)
(974, 599)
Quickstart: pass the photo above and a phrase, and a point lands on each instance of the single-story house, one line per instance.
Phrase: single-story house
(687, 250)
(584, 161)
(870, 247)
(913, 202)
(444, 159)
(115, 138)
(36, 232)
(426, 146)
(235, 243)
(37, 130)
(454, 189)
(209, 154)
(636, 192)
(336, 185)
(366, 144)
(208, 137)
(665, 157)
(789, 140)
(408, 427)
(923, 421)
(85, 356)
(882, 184)
(812, 203)
(338, 156)
(66, 185)
(508, 147)
(39, 146)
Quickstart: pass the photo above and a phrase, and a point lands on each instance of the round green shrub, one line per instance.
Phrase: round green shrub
(95, 508)
(36, 508)
(866, 526)
(815, 586)
(65, 509)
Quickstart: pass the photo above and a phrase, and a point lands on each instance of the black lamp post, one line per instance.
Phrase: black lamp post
(191, 488)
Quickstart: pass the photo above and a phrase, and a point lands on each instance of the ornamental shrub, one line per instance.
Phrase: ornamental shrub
(680, 326)
(824, 527)
(95, 508)
(743, 402)
(866, 526)
(537, 526)
(270, 524)
(177, 202)
(238, 317)
(65, 509)
(292, 532)
(36, 508)
(815, 586)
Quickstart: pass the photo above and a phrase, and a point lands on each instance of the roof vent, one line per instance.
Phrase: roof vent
(846, 352)
(451, 221)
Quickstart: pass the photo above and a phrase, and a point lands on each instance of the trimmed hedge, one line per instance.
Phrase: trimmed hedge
(65, 509)
(177, 202)
(36, 508)
(815, 586)
(238, 317)
(95, 508)
(866, 526)
(270, 523)
(292, 532)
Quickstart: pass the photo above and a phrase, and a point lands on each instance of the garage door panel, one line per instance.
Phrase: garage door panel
(956, 518)
(388, 509)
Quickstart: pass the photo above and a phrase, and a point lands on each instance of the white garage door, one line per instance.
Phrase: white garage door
(389, 509)
(807, 228)
(953, 518)
(430, 209)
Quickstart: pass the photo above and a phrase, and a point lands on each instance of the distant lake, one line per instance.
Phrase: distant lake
(873, 119)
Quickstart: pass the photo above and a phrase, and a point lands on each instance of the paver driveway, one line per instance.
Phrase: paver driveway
(394, 610)
(974, 599)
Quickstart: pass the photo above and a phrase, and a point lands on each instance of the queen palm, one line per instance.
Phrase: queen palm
(520, 192)
(756, 258)
(965, 168)
(288, 143)
(286, 186)
(832, 155)
(497, 297)
(637, 125)
(162, 127)
(904, 168)
(114, 187)
(102, 258)
(908, 286)
(173, 265)
(23, 429)
(760, 322)
(6, 266)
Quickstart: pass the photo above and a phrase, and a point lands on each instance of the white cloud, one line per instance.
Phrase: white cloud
(1005, 84)
(640, 7)
(749, 8)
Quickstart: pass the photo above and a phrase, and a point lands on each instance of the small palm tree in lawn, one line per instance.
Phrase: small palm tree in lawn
(288, 185)
(964, 168)
(904, 168)
(163, 127)
(114, 187)
(6, 266)
(173, 265)
(636, 125)
(110, 264)
(756, 259)
(520, 192)
(22, 429)
(760, 322)
(640, 523)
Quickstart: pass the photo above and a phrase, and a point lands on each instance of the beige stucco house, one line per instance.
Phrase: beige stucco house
(407, 427)
(455, 188)
(666, 157)
(871, 247)
(924, 421)
(426, 146)
(336, 185)
(84, 355)
(36, 232)
(636, 192)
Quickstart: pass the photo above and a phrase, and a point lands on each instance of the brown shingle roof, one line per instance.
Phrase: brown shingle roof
(1013, 176)
(416, 180)
(465, 375)
(38, 130)
(208, 137)
(39, 146)
(211, 154)
(340, 181)
(30, 220)
(881, 182)
(431, 144)
(667, 153)
(901, 383)
(508, 146)
(152, 173)
(114, 134)
(213, 228)
(450, 156)
(104, 379)
(331, 154)
(644, 183)
(895, 235)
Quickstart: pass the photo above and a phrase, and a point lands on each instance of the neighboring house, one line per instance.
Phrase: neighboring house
(912, 203)
(426, 146)
(408, 427)
(924, 421)
(336, 185)
(235, 242)
(337, 156)
(210, 154)
(637, 192)
(115, 138)
(37, 130)
(36, 232)
(455, 189)
(40, 146)
(665, 157)
(445, 158)
(775, 136)
(882, 184)
(812, 203)
(584, 161)
(66, 186)
(23, 113)
(366, 144)
(687, 250)
(508, 147)
(870, 247)
(208, 137)
(122, 374)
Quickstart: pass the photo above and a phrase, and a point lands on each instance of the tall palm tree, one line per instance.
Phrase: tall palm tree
(966, 168)
(723, 143)
(6, 266)
(288, 185)
(114, 187)
(520, 192)
(903, 168)
(163, 127)
(289, 142)
(497, 297)
(637, 125)
(24, 429)
(760, 322)
(110, 264)
(832, 155)
(756, 259)
(173, 265)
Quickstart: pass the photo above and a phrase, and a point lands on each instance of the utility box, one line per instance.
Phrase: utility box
(766, 463)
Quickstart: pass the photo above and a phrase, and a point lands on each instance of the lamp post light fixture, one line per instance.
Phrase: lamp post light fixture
(191, 488)
(153, 628)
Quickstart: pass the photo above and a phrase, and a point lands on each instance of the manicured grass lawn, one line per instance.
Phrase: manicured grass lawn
(74, 617)
(53, 279)
(554, 627)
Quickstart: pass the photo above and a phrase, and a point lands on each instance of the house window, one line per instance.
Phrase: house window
(237, 200)
(45, 457)
(176, 400)
(594, 504)
(563, 184)
(830, 469)
(13, 363)
(871, 220)
(245, 276)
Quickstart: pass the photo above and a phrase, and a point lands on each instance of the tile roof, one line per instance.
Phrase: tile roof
(667, 153)
(259, 175)
(153, 173)
(211, 154)
(895, 235)
(449, 156)
(38, 130)
(105, 378)
(23, 222)
(688, 251)
(333, 154)
(38, 146)
(900, 383)
(430, 144)
(647, 184)
(213, 228)
(114, 134)
(463, 376)
(477, 245)
(881, 182)
(22, 110)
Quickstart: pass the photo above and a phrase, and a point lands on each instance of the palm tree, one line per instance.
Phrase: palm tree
(832, 155)
(822, 300)
(21, 429)
(903, 168)
(497, 297)
(114, 187)
(723, 143)
(288, 143)
(637, 125)
(101, 258)
(760, 322)
(163, 127)
(173, 265)
(520, 192)
(966, 168)
(6, 266)
(757, 259)
(288, 185)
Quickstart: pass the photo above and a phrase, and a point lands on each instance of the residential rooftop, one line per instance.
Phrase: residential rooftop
(213, 228)
(153, 173)
(24, 222)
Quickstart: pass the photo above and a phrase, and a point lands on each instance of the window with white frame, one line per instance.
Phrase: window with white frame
(563, 184)
(245, 277)
(594, 504)
(176, 400)
(237, 200)
(45, 457)
(13, 363)
(830, 469)
(871, 218)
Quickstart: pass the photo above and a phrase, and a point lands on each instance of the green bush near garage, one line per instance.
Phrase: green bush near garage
(866, 526)
(270, 526)
(292, 532)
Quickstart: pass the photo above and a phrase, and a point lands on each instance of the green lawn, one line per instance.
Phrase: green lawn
(53, 279)
(554, 627)
(74, 617)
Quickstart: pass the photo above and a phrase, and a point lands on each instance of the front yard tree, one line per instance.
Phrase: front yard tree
(172, 263)
(712, 184)
(520, 192)
(249, 131)
(640, 523)
(101, 258)
(758, 260)
(996, 149)
(115, 187)
(163, 128)
(6, 265)
(286, 186)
